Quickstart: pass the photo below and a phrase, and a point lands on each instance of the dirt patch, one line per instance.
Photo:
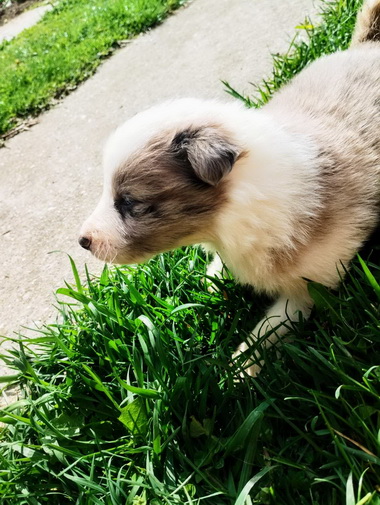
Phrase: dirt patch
(10, 11)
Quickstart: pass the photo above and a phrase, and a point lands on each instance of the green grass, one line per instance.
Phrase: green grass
(333, 35)
(51, 58)
(131, 398)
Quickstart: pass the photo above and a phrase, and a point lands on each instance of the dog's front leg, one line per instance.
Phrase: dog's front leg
(275, 324)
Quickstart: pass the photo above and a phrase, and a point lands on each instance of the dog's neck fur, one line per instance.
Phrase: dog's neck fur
(271, 200)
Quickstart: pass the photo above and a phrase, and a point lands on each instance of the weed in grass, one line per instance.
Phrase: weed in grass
(132, 400)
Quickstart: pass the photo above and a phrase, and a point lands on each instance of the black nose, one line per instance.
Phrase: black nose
(85, 242)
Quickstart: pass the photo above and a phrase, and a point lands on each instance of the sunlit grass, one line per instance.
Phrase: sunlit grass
(134, 396)
(49, 59)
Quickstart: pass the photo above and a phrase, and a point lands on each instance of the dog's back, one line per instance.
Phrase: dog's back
(336, 102)
(340, 89)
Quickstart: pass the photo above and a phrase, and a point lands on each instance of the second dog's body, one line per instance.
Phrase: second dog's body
(283, 194)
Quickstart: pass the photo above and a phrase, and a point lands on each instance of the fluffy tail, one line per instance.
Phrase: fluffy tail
(367, 27)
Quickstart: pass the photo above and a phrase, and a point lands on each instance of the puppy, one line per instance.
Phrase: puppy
(282, 194)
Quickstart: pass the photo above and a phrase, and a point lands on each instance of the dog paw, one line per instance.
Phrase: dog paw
(248, 367)
(211, 286)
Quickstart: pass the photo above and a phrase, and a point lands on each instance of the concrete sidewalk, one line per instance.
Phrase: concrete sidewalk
(25, 20)
(50, 176)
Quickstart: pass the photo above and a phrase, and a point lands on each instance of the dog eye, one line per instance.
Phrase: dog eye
(125, 205)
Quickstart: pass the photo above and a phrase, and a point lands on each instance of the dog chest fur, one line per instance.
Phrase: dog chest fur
(316, 200)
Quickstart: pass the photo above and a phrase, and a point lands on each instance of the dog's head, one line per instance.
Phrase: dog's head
(165, 182)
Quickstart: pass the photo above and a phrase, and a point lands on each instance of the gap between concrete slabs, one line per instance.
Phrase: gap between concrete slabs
(50, 176)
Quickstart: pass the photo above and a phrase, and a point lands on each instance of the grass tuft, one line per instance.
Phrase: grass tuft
(333, 34)
(132, 399)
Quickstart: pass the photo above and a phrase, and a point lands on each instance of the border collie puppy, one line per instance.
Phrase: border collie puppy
(282, 194)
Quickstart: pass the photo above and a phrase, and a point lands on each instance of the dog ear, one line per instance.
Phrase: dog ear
(209, 153)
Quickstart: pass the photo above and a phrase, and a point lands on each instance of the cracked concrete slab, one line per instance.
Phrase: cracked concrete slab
(50, 175)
